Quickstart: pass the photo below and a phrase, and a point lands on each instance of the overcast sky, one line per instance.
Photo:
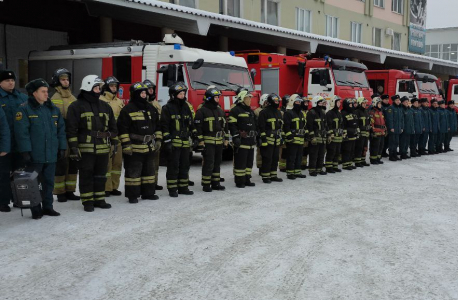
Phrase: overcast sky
(442, 13)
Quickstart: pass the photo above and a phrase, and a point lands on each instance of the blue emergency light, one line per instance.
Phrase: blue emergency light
(232, 53)
(177, 46)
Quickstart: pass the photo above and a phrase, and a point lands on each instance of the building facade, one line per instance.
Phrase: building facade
(442, 43)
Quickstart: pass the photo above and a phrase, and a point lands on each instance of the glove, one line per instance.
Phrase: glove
(168, 146)
(75, 154)
(314, 141)
(127, 150)
(157, 145)
(26, 158)
(115, 150)
(237, 142)
(60, 154)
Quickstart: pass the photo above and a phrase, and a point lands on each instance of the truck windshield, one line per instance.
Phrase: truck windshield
(224, 77)
(427, 87)
(350, 78)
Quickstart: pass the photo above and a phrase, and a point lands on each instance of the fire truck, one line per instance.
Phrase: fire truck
(282, 74)
(451, 91)
(163, 63)
(404, 83)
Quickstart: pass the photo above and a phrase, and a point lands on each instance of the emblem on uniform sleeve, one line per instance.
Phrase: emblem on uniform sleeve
(55, 123)
(18, 116)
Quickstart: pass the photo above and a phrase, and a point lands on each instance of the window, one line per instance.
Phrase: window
(379, 3)
(269, 12)
(356, 32)
(398, 6)
(435, 50)
(188, 3)
(303, 19)
(230, 7)
(332, 26)
(122, 68)
(455, 89)
(449, 51)
(377, 37)
(396, 42)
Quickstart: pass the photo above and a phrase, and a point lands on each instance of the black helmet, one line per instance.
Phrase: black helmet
(177, 88)
(108, 81)
(59, 72)
(210, 94)
(285, 100)
(149, 84)
(273, 99)
(136, 89)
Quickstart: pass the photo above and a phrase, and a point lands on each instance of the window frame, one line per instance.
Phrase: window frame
(393, 41)
(224, 10)
(177, 2)
(373, 36)
(337, 21)
(357, 25)
(394, 9)
(382, 5)
(298, 10)
(265, 14)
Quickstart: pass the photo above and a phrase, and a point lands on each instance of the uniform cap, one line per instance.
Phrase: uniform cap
(395, 97)
(35, 84)
(7, 74)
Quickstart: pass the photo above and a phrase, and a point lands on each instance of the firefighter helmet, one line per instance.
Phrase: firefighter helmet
(111, 80)
(149, 84)
(177, 88)
(361, 100)
(59, 73)
(90, 81)
(273, 99)
(263, 100)
(138, 87)
(284, 100)
(292, 99)
(376, 101)
(210, 94)
(334, 99)
(316, 100)
(242, 95)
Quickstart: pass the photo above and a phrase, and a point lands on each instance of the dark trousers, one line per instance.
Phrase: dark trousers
(404, 141)
(305, 154)
(316, 157)
(414, 143)
(212, 157)
(139, 177)
(270, 156)
(423, 141)
(440, 140)
(178, 168)
(360, 145)
(46, 173)
(393, 143)
(294, 158)
(376, 147)
(448, 140)
(66, 174)
(432, 142)
(386, 142)
(8, 164)
(243, 164)
(283, 155)
(348, 152)
(93, 176)
(332, 155)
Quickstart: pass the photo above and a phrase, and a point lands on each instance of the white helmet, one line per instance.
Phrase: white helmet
(263, 100)
(315, 100)
(90, 81)
(332, 102)
(292, 99)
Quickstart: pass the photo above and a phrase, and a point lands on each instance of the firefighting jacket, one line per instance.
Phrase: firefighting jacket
(426, 119)
(443, 120)
(377, 122)
(177, 123)
(157, 106)
(91, 125)
(417, 120)
(316, 125)
(394, 119)
(211, 125)
(434, 113)
(335, 122)
(270, 125)
(409, 126)
(294, 126)
(364, 121)
(452, 121)
(62, 98)
(40, 130)
(242, 123)
(5, 134)
(115, 103)
(10, 103)
(350, 125)
(139, 127)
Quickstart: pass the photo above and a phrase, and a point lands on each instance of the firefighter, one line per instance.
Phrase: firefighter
(283, 155)
(385, 105)
(350, 133)
(378, 132)
(177, 128)
(109, 95)
(66, 169)
(262, 102)
(270, 125)
(213, 135)
(91, 130)
(419, 128)
(426, 119)
(154, 101)
(364, 123)
(316, 127)
(334, 142)
(140, 136)
(305, 150)
(395, 126)
(40, 135)
(295, 133)
(434, 132)
(243, 129)
(444, 127)
(10, 100)
(452, 121)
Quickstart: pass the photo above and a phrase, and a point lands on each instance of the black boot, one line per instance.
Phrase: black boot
(102, 204)
(207, 188)
(276, 179)
(330, 170)
(266, 180)
(291, 177)
(221, 179)
(173, 193)
(404, 156)
(359, 165)
(152, 197)
(116, 193)
(61, 198)
(240, 185)
(5, 208)
(374, 162)
(190, 183)
(248, 182)
(50, 212)
(107, 194)
(133, 200)
(159, 187)
(337, 170)
(384, 154)
(185, 191)
(218, 187)
(300, 176)
(323, 172)
(314, 174)
(393, 157)
(88, 206)
(365, 164)
(72, 197)
(379, 161)
(37, 212)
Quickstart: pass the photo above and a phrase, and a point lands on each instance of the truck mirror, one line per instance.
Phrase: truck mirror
(411, 87)
(253, 74)
(301, 69)
(323, 82)
(163, 69)
(197, 64)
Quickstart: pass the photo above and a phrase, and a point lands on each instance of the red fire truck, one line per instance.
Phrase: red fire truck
(282, 74)
(163, 63)
(451, 91)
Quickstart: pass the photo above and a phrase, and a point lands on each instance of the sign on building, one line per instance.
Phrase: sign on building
(417, 28)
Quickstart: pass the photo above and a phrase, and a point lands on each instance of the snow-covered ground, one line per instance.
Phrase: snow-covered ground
(381, 232)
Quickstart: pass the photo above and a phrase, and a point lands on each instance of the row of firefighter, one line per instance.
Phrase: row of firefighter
(94, 133)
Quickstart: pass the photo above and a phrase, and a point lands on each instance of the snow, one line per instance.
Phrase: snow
(381, 232)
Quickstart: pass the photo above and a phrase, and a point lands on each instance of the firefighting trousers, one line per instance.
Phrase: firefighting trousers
(332, 155)
(305, 154)
(348, 152)
(114, 172)
(294, 158)
(283, 155)
(414, 143)
(432, 142)
(93, 171)
(404, 141)
(66, 174)
(393, 143)
(386, 142)
(316, 157)
(270, 156)
(423, 141)
(157, 161)
(448, 140)
(178, 169)
(8, 164)
(139, 176)
(212, 157)
(46, 174)
(376, 147)
(440, 140)
(243, 164)
(360, 144)
(258, 158)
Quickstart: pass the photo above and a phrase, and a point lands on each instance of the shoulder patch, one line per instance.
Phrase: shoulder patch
(390, 110)
(18, 116)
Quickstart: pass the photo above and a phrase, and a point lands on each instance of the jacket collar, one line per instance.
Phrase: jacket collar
(4, 93)
(35, 105)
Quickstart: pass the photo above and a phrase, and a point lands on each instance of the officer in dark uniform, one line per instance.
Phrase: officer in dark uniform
(419, 128)
(444, 127)
(364, 123)
(316, 127)
(385, 105)
(350, 133)
(40, 135)
(91, 129)
(335, 132)
(177, 128)
(243, 129)
(452, 121)
(433, 135)
(426, 120)
(211, 126)
(395, 125)
(10, 99)
(5, 135)
(409, 127)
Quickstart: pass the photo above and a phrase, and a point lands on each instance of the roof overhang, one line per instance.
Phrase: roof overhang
(181, 18)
